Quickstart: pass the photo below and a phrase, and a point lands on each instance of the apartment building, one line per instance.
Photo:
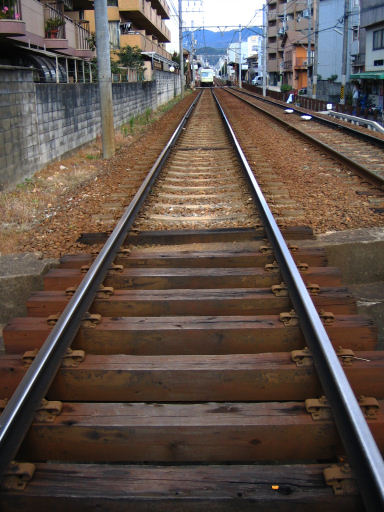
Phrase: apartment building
(369, 63)
(287, 43)
(52, 36)
(139, 23)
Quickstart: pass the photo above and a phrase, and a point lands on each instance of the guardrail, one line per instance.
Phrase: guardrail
(360, 121)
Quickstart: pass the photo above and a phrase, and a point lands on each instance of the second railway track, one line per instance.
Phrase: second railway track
(190, 387)
(361, 150)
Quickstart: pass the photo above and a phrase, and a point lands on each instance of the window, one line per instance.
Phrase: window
(114, 33)
(378, 39)
(378, 62)
(112, 3)
(355, 33)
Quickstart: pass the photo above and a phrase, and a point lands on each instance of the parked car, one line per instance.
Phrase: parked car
(302, 91)
(258, 80)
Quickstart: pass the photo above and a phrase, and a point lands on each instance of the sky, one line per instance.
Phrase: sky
(213, 14)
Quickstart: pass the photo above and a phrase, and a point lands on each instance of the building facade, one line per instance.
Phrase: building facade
(53, 37)
(330, 40)
(139, 23)
(369, 64)
(287, 42)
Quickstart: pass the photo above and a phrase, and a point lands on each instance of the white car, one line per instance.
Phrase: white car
(258, 80)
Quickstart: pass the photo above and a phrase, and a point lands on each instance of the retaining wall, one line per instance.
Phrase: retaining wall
(42, 122)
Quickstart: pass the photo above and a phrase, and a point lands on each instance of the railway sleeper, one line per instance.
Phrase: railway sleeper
(183, 302)
(186, 378)
(189, 488)
(191, 335)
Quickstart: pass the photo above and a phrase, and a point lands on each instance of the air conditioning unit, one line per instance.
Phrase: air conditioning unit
(281, 32)
(305, 63)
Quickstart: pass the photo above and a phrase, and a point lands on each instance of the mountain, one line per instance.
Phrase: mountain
(220, 39)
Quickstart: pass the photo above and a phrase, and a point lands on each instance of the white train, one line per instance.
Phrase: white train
(206, 77)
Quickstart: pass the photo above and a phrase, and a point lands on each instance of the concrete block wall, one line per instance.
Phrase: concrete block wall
(18, 124)
(41, 122)
(167, 86)
(131, 99)
(68, 117)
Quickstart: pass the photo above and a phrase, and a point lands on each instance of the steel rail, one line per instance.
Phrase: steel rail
(369, 137)
(362, 451)
(18, 413)
(361, 169)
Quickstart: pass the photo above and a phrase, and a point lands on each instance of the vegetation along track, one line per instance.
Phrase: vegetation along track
(362, 151)
(189, 386)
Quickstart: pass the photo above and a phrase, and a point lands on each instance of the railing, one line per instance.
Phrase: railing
(319, 105)
(287, 64)
(82, 35)
(135, 38)
(128, 75)
(52, 18)
(301, 62)
(10, 10)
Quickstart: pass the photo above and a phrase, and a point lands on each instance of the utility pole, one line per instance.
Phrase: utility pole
(316, 52)
(309, 43)
(265, 49)
(104, 77)
(192, 56)
(345, 53)
(240, 84)
(181, 49)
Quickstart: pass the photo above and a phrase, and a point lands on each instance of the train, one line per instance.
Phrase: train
(206, 77)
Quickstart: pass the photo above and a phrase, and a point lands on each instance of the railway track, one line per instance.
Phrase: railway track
(361, 151)
(189, 386)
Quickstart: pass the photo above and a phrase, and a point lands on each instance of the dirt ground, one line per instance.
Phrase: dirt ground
(48, 212)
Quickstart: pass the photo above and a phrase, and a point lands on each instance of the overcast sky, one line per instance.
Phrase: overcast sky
(215, 13)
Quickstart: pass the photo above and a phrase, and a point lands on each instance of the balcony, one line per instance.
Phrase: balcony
(272, 30)
(11, 23)
(162, 8)
(273, 66)
(302, 63)
(143, 16)
(287, 65)
(55, 29)
(63, 34)
(145, 43)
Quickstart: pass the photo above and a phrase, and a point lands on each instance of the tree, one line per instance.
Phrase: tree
(130, 57)
(176, 58)
(114, 67)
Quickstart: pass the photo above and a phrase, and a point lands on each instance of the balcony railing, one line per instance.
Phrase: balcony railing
(78, 34)
(302, 62)
(287, 65)
(149, 19)
(135, 38)
(54, 23)
(10, 10)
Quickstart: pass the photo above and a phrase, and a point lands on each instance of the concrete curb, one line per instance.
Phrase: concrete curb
(359, 254)
(20, 275)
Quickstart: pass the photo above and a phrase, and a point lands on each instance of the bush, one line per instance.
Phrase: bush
(285, 87)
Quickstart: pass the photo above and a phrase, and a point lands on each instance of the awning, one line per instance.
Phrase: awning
(160, 58)
(369, 75)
